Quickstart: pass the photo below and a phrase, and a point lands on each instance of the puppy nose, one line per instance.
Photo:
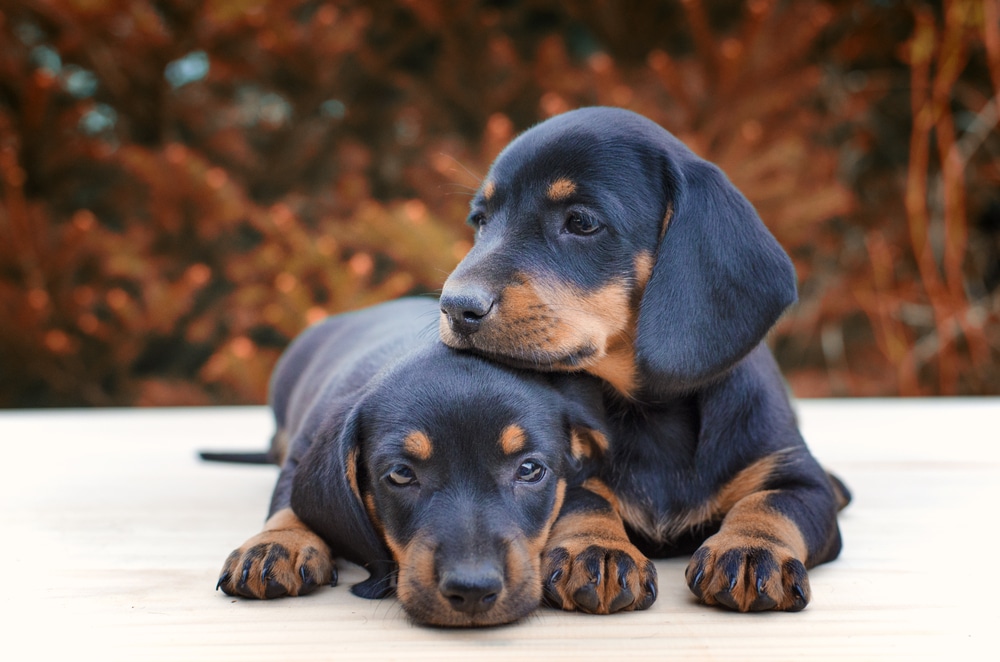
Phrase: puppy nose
(472, 590)
(466, 309)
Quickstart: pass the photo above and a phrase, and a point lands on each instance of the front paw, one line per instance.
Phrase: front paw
(748, 575)
(276, 563)
(598, 579)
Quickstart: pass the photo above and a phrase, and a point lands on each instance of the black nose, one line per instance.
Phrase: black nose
(472, 589)
(466, 309)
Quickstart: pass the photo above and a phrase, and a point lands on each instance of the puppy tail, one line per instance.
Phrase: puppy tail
(275, 455)
(262, 457)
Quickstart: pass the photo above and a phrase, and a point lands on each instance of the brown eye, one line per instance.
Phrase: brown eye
(580, 224)
(530, 472)
(401, 476)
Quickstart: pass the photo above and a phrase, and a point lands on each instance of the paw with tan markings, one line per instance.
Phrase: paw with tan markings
(598, 574)
(286, 558)
(748, 573)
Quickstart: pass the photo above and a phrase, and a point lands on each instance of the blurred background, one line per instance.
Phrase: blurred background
(186, 184)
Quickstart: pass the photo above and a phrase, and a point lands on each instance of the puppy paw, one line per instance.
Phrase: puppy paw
(278, 562)
(598, 579)
(748, 574)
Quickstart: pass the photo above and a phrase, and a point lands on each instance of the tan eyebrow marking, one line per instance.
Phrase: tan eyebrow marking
(489, 188)
(418, 444)
(512, 439)
(561, 189)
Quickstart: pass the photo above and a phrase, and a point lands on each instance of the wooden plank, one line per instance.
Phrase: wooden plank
(114, 532)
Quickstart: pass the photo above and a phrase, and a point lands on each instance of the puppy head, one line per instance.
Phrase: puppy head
(604, 244)
(459, 466)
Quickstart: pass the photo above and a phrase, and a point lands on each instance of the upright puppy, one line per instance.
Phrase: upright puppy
(602, 244)
(399, 452)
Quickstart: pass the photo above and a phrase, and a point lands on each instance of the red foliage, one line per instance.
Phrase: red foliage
(185, 185)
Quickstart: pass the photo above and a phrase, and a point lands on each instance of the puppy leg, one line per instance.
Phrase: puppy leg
(588, 563)
(286, 558)
(757, 561)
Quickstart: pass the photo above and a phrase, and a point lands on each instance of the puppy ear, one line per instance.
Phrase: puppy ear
(719, 282)
(326, 495)
(584, 417)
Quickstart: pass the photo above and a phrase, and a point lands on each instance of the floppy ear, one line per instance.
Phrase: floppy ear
(584, 417)
(720, 280)
(326, 496)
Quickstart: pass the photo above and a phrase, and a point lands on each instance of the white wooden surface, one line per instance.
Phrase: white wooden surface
(113, 534)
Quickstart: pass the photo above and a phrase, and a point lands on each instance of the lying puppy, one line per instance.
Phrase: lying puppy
(602, 244)
(402, 453)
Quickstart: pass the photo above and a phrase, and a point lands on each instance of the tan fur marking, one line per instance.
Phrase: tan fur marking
(352, 472)
(561, 189)
(666, 219)
(600, 440)
(418, 444)
(618, 366)
(372, 511)
(489, 188)
(578, 446)
(300, 547)
(601, 489)
(581, 532)
(748, 481)
(413, 577)
(751, 524)
(537, 544)
(284, 519)
(417, 586)
(586, 529)
(548, 323)
(752, 519)
(568, 319)
(512, 439)
(585, 442)
(643, 270)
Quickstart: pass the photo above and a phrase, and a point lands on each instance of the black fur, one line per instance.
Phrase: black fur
(702, 398)
(349, 391)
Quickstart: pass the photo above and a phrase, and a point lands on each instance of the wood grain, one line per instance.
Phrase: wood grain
(114, 533)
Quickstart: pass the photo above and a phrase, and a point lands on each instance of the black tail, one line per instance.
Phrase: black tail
(260, 457)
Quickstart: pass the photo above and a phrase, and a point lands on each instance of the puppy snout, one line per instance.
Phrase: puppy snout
(466, 308)
(472, 589)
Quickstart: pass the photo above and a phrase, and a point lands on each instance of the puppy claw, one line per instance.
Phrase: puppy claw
(748, 576)
(579, 581)
(650, 595)
(245, 575)
(276, 563)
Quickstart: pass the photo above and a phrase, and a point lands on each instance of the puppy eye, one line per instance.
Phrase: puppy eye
(530, 471)
(401, 476)
(477, 219)
(580, 224)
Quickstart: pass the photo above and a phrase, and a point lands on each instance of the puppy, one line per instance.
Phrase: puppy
(439, 472)
(604, 245)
